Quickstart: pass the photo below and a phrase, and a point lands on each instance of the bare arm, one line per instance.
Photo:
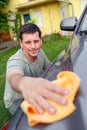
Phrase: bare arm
(37, 90)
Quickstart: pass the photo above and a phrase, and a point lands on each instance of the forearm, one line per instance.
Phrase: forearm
(15, 78)
(15, 82)
(19, 82)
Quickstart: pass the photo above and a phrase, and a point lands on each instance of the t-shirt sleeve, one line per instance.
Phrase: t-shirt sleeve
(15, 64)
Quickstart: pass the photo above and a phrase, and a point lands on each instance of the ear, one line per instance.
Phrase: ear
(41, 41)
(21, 44)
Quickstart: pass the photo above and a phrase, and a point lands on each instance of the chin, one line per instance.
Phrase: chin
(34, 55)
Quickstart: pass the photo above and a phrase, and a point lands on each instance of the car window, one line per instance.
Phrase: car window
(83, 25)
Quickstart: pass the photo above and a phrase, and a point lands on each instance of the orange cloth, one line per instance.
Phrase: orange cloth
(66, 79)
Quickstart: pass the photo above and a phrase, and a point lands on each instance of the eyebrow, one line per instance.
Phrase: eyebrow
(30, 41)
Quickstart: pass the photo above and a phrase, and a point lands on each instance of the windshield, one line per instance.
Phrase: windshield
(83, 25)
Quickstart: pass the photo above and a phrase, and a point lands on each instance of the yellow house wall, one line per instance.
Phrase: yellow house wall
(50, 13)
(68, 8)
(68, 12)
(76, 7)
(13, 3)
(16, 2)
(11, 7)
(50, 17)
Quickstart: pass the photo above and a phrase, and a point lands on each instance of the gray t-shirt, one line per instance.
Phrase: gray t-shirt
(32, 69)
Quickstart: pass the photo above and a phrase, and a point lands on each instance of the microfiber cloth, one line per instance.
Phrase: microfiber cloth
(66, 79)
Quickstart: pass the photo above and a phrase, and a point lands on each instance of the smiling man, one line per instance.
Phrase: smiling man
(23, 74)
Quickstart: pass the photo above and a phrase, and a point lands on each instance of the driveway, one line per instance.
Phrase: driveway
(7, 45)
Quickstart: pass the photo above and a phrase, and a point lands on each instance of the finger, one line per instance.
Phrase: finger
(36, 105)
(45, 104)
(54, 97)
(58, 89)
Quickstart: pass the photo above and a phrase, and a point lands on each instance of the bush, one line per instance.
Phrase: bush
(51, 37)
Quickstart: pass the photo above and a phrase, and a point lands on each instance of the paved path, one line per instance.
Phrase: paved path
(7, 45)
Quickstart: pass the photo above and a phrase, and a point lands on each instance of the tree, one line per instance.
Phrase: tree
(4, 3)
(18, 23)
(32, 19)
(4, 26)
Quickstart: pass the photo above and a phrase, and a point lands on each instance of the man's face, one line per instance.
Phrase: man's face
(31, 44)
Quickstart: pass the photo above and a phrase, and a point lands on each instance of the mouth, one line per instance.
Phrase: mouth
(35, 51)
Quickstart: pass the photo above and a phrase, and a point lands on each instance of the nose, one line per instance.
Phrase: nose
(33, 45)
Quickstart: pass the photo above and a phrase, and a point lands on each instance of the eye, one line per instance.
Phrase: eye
(36, 41)
(27, 42)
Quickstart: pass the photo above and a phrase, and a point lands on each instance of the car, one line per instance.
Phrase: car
(73, 58)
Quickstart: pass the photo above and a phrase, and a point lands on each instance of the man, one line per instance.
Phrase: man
(23, 74)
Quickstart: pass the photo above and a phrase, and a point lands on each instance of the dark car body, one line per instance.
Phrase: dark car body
(73, 58)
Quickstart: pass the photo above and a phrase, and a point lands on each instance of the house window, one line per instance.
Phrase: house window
(26, 18)
(12, 19)
(26, 0)
(38, 17)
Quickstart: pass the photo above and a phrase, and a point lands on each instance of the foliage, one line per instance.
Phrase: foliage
(51, 37)
(4, 26)
(32, 19)
(4, 113)
(4, 3)
(18, 23)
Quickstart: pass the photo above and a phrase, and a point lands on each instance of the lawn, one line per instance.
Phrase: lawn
(51, 46)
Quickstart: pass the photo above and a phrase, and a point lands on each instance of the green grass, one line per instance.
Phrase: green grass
(4, 114)
(52, 48)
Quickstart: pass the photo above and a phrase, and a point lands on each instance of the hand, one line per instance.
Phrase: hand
(37, 90)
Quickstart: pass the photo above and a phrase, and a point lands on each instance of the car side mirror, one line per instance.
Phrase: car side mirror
(68, 24)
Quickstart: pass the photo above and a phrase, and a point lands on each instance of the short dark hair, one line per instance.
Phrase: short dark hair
(29, 28)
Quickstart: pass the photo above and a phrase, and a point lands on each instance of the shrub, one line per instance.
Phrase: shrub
(51, 37)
